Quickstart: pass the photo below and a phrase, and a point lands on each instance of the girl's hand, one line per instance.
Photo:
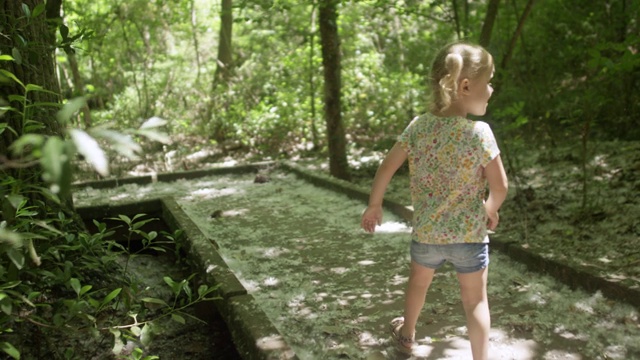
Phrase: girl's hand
(371, 217)
(494, 218)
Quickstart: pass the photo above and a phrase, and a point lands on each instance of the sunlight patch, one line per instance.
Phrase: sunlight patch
(272, 342)
(339, 270)
(366, 262)
(399, 280)
(561, 331)
(393, 227)
(274, 252)
(210, 193)
(367, 339)
(615, 352)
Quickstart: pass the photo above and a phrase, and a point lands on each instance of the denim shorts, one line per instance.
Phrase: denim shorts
(465, 258)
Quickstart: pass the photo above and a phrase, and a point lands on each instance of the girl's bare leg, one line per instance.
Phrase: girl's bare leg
(473, 290)
(419, 282)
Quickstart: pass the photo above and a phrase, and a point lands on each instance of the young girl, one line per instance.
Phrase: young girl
(450, 160)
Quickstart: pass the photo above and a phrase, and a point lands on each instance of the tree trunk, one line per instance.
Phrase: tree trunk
(31, 40)
(516, 34)
(225, 64)
(330, 40)
(489, 21)
(38, 53)
(224, 67)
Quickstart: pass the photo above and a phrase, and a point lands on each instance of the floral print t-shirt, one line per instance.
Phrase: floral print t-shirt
(446, 159)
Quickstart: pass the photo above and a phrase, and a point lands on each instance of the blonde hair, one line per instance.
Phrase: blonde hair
(454, 62)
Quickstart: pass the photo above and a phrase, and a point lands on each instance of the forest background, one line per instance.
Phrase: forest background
(155, 86)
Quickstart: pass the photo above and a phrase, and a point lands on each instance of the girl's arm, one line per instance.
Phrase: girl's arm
(372, 216)
(498, 186)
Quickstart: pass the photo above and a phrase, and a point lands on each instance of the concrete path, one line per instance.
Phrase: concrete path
(331, 290)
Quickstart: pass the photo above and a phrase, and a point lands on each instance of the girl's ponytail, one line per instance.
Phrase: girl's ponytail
(449, 83)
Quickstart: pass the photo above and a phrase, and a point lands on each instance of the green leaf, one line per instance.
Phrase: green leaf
(6, 58)
(10, 76)
(146, 334)
(16, 97)
(118, 344)
(26, 10)
(112, 295)
(31, 126)
(64, 32)
(138, 216)
(10, 285)
(10, 350)
(70, 108)
(154, 301)
(17, 57)
(85, 289)
(90, 149)
(10, 237)
(33, 87)
(53, 159)
(123, 218)
(178, 318)
(137, 225)
(75, 284)
(202, 290)
(136, 330)
(16, 200)
(4, 126)
(28, 140)
(176, 287)
(17, 257)
(39, 9)
(6, 305)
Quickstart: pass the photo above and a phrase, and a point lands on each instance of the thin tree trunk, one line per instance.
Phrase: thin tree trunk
(489, 21)
(338, 166)
(466, 17)
(514, 39)
(196, 45)
(456, 17)
(312, 82)
(78, 85)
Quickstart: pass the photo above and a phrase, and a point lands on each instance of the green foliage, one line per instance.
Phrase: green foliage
(72, 289)
(51, 276)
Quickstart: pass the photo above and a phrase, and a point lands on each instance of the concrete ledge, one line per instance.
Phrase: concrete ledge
(346, 188)
(573, 276)
(150, 207)
(202, 252)
(176, 219)
(167, 177)
(254, 335)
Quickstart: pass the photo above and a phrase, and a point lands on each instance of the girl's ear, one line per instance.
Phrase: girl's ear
(464, 87)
